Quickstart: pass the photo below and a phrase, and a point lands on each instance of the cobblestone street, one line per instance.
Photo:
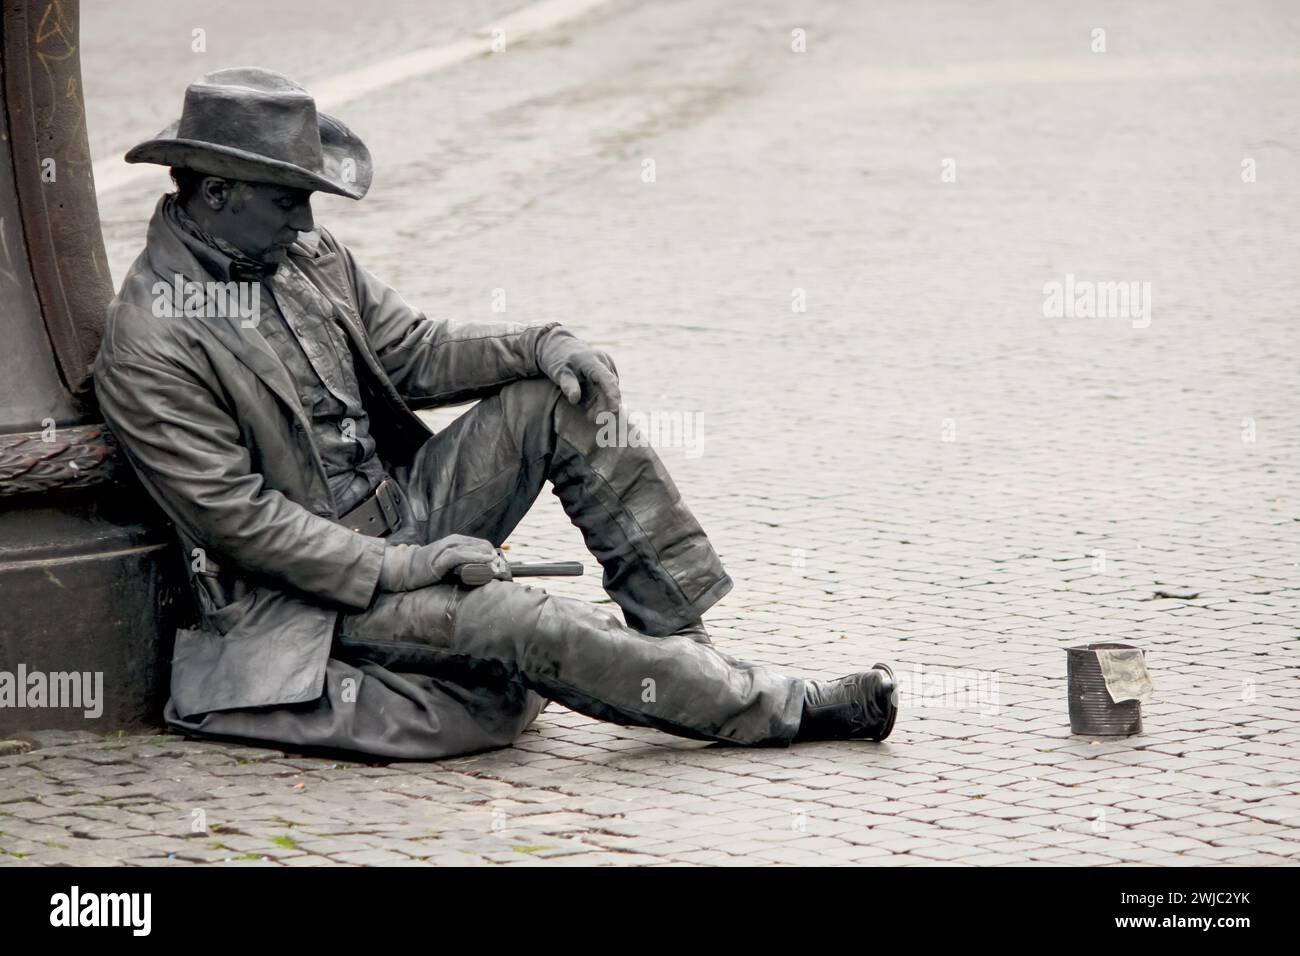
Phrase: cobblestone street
(835, 283)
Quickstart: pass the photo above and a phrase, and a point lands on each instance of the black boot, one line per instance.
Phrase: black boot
(860, 705)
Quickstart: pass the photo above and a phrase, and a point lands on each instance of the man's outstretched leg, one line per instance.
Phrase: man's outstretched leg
(579, 655)
(479, 477)
(481, 474)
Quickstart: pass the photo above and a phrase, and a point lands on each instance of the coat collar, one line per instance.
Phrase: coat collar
(171, 256)
(164, 237)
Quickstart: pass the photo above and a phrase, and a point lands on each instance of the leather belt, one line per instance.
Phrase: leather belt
(379, 514)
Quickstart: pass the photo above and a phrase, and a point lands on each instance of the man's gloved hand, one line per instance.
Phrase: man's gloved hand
(581, 372)
(410, 566)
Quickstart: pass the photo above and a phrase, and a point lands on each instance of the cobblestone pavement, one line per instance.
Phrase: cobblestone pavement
(920, 468)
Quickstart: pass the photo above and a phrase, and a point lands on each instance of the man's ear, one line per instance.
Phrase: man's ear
(215, 192)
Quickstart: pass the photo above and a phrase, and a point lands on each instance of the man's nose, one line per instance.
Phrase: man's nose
(301, 220)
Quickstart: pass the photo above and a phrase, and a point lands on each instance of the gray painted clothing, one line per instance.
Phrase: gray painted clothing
(445, 670)
(294, 645)
(299, 324)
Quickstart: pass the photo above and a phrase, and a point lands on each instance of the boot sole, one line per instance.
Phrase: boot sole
(893, 706)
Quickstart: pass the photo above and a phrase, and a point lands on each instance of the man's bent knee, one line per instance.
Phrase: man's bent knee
(530, 397)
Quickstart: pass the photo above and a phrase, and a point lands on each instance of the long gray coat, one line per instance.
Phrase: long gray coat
(209, 418)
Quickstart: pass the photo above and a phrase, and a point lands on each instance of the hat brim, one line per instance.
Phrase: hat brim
(346, 167)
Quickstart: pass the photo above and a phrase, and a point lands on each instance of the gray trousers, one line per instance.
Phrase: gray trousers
(446, 670)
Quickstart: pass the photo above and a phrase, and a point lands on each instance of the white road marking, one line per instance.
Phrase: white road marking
(1085, 68)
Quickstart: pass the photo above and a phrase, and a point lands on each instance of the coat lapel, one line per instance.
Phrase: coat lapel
(170, 258)
(315, 256)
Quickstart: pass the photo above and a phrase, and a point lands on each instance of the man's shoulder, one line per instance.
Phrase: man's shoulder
(137, 327)
(133, 298)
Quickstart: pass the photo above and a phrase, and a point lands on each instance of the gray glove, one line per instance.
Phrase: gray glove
(581, 372)
(410, 566)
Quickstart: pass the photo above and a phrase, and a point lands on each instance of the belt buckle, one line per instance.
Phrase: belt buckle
(386, 496)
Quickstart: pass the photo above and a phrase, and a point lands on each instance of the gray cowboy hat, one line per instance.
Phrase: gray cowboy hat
(257, 125)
